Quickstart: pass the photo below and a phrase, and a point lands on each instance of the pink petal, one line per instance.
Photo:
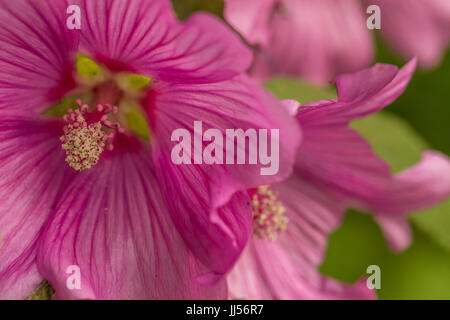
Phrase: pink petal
(287, 267)
(336, 157)
(397, 231)
(200, 194)
(359, 94)
(313, 214)
(421, 186)
(251, 18)
(37, 54)
(416, 28)
(291, 106)
(113, 224)
(311, 39)
(32, 175)
(144, 37)
(339, 161)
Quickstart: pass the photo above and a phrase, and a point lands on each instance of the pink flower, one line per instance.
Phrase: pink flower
(335, 169)
(316, 40)
(416, 28)
(135, 224)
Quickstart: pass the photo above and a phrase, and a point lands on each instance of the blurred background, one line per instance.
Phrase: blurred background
(418, 120)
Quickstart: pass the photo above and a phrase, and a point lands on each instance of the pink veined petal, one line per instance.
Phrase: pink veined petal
(313, 214)
(311, 39)
(206, 50)
(114, 225)
(37, 56)
(287, 267)
(143, 36)
(32, 175)
(337, 159)
(251, 18)
(416, 28)
(199, 195)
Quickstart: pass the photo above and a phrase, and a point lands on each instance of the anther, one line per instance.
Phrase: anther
(269, 219)
(88, 134)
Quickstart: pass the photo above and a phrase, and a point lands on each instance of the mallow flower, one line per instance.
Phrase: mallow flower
(312, 39)
(319, 39)
(335, 169)
(86, 177)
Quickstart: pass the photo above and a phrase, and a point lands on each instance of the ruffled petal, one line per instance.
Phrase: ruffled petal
(114, 225)
(32, 175)
(144, 37)
(287, 267)
(336, 157)
(359, 94)
(199, 194)
(338, 160)
(37, 56)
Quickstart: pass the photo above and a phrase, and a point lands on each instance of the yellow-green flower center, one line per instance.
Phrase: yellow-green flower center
(89, 128)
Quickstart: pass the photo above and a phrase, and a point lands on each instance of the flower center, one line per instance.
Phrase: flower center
(269, 219)
(88, 133)
(117, 97)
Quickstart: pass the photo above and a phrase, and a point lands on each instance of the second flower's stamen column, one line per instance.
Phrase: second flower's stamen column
(268, 214)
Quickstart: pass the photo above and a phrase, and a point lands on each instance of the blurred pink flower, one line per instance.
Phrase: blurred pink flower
(319, 39)
(335, 169)
(316, 40)
(136, 225)
(416, 28)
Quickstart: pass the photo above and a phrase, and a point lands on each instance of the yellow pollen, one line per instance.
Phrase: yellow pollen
(269, 219)
(83, 143)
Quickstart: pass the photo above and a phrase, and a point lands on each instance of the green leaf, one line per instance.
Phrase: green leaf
(420, 272)
(303, 92)
(357, 244)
